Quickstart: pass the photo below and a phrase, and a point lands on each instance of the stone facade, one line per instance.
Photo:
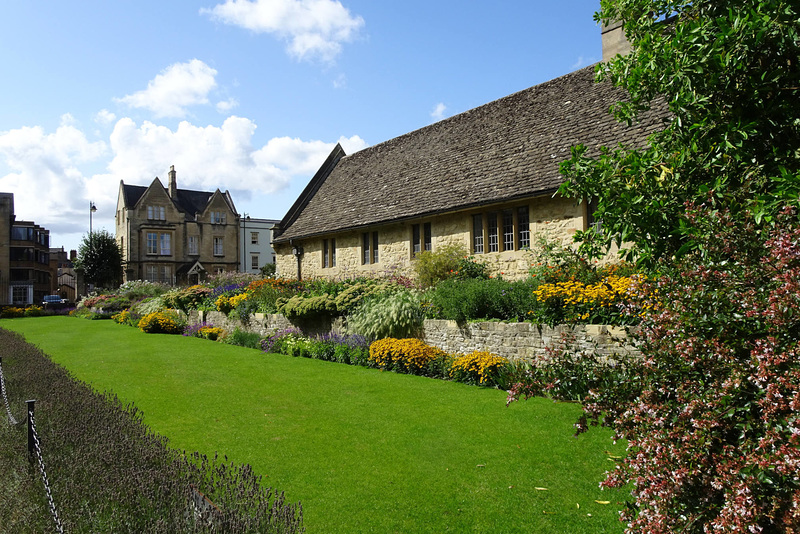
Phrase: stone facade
(176, 236)
(557, 219)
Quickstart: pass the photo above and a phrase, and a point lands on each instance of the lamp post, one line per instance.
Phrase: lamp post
(92, 209)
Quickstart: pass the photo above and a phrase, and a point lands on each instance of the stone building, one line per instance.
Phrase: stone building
(175, 236)
(485, 179)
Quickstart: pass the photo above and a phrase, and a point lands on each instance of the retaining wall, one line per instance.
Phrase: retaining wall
(515, 341)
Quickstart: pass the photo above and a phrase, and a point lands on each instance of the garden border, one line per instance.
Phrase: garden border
(514, 341)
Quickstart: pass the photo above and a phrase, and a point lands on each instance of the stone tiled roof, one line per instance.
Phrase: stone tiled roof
(189, 201)
(504, 150)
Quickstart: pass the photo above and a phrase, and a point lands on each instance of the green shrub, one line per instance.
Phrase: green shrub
(243, 339)
(351, 296)
(301, 308)
(140, 289)
(463, 300)
(34, 311)
(431, 267)
(396, 313)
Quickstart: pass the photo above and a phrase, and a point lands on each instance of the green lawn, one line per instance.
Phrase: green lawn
(363, 450)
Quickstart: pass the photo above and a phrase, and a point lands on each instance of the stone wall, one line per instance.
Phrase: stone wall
(556, 218)
(515, 341)
(528, 341)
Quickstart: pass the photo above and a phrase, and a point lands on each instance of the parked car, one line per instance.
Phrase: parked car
(54, 299)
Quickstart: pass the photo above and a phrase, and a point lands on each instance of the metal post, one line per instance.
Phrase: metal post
(31, 446)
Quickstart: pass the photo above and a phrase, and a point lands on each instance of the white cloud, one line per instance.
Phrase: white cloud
(213, 157)
(104, 117)
(48, 185)
(54, 175)
(224, 106)
(438, 111)
(178, 86)
(314, 29)
(583, 61)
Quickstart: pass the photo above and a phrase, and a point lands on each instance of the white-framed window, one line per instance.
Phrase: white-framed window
(152, 243)
(194, 245)
(159, 244)
(156, 213)
(19, 294)
(217, 217)
(166, 246)
(523, 227)
(218, 247)
(254, 238)
(254, 261)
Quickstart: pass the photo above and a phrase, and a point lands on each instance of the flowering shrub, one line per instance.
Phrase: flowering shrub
(277, 341)
(161, 322)
(478, 367)
(566, 376)
(574, 301)
(712, 419)
(403, 355)
(34, 311)
(212, 333)
(122, 317)
(187, 298)
(12, 312)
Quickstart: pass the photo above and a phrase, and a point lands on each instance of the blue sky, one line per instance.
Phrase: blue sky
(247, 95)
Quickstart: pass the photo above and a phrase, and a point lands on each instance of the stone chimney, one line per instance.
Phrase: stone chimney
(173, 183)
(614, 41)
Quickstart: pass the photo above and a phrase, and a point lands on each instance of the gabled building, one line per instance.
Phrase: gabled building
(485, 179)
(175, 236)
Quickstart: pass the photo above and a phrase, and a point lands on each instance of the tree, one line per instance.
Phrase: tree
(729, 74)
(101, 259)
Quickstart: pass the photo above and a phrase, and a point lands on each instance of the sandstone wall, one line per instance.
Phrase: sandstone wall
(557, 219)
(515, 341)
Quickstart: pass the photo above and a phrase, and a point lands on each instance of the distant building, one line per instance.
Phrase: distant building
(30, 277)
(65, 282)
(175, 236)
(256, 244)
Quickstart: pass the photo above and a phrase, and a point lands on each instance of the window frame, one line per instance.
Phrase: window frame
(218, 246)
(505, 229)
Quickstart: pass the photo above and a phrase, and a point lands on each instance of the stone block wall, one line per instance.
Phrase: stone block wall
(515, 341)
(528, 341)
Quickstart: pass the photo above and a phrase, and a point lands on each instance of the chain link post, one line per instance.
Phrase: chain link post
(31, 444)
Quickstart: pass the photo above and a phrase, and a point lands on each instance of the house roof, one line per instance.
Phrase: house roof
(504, 150)
(188, 201)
